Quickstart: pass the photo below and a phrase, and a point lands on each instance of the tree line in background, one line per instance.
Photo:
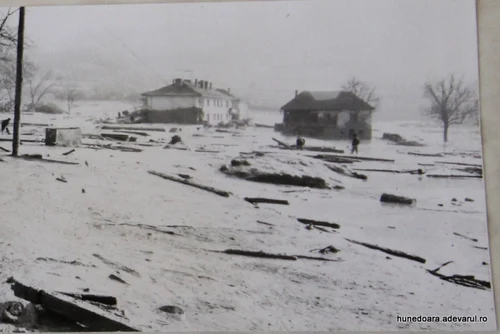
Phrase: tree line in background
(451, 101)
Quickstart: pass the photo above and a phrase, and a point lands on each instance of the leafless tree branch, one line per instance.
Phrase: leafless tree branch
(451, 102)
(363, 91)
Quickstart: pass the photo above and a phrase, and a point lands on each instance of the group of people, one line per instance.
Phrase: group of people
(300, 143)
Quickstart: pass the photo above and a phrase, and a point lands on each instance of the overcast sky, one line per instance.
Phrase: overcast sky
(266, 50)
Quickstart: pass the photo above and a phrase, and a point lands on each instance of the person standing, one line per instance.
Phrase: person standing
(5, 124)
(355, 144)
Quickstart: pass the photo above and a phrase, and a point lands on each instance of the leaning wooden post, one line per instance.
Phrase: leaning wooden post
(19, 82)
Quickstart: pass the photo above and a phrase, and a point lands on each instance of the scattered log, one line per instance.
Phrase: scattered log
(378, 170)
(264, 223)
(225, 131)
(38, 157)
(106, 300)
(89, 315)
(116, 136)
(131, 128)
(335, 159)
(346, 172)
(334, 156)
(185, 176)
(326, 250)
(458, 163)
(206, 151)
(465, 237)
(4, 149)
(116, 278)
(176, 148)
(264, 126)
(22, 140)
(256, 200)
(388, 198)
(259, 254)
(69, 152)
(318, 223)
(282, 143)
(464, 280)
(389, 251)
(116, 265)
(146, 227)
(126, 149)
(322, 149)
(280, 179)
(62, 179)
(316, 258)
(192, 184)
(74, 262)
(451, 176)
(138, 133)
(478, 247)
(435, 155)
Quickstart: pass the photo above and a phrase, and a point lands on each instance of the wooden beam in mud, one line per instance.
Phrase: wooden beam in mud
(389, 251)
(79, 311)
(256, 200)
(131, 128)
(327, 156)
(191, 183)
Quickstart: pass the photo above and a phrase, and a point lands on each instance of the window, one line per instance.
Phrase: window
(201, 102)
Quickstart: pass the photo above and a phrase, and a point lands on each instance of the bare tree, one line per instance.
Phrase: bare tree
(451, 102)
(71, 96)
(362, 90)
(38, 86)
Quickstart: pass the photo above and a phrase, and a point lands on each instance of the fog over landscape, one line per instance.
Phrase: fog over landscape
(262, 50)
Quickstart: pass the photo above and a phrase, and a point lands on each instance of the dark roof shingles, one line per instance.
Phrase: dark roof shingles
(327, 101)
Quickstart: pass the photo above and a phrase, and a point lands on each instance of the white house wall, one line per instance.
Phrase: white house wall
(215, 110)
(170, 102)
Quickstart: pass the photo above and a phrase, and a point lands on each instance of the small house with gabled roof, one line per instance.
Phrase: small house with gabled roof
(329, 115)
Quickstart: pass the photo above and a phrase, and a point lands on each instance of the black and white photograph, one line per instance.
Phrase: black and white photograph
(310, 165)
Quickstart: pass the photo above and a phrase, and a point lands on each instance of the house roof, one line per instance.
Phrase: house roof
(225, 92)
(186, 89)
(321, 100)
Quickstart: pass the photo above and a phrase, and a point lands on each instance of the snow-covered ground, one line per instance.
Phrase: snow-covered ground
(366, 290)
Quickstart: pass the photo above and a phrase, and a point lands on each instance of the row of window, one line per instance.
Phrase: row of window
(214, 102)
(220, 117)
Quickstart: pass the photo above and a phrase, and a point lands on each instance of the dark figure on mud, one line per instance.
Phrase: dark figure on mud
(300, 142)
(355, 143)
(5, 123)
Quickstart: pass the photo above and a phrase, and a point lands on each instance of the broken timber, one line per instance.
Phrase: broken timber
(38, 157)
(464, 280)
(106, 300)
(69, 152)
(115, 127)
(318, 223)
(191, 183)
(257, 200)
(451, 176)
(388, 198)
(435, 155)
(458, 163)
(389, 251)
(328, 156)
(465, 237)
(86, 314)
(258, 254)
(282, 143)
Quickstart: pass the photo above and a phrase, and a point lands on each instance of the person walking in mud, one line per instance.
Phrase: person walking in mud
(300, 142)
(355, 144)
(5, 124)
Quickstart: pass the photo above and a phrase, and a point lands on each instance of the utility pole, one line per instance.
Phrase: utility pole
(19, 83)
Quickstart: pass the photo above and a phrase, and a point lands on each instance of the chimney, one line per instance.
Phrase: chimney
(210, 86)
(178, 82)
(206, 84)
(296, 93)
(200, 84)
(196, 82)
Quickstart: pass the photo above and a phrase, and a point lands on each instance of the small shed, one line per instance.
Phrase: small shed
(328, 115)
